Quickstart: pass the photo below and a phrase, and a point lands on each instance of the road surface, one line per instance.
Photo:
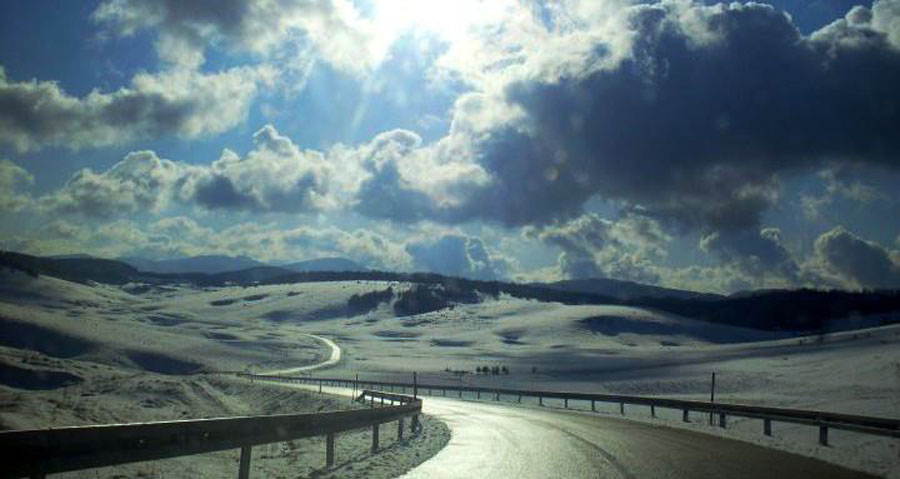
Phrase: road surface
(504, 441)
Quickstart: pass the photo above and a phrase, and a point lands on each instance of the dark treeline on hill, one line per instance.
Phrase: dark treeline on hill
(425, 298)
(801, 310)
(788, 310)
(367, 302)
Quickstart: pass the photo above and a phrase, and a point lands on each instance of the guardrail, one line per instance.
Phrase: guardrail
(36, 453)
(821, 419)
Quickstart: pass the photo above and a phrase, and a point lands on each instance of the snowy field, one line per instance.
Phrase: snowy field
(80, 329)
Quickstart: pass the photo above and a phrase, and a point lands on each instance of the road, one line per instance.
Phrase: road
(333, 359)
(502, 441)
(505, 441)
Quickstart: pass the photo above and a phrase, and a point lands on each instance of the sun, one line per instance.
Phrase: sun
(451, 20)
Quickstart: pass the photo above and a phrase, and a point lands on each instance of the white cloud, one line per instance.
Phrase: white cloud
(183, 236)
(140, 183)
(12, 180)
(185, 103)
(271, 28)
(276, 176)
(594, 247)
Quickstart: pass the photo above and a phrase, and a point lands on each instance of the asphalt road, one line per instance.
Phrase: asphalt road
(501, 441)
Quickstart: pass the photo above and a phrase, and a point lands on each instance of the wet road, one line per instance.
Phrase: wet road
(503, 441)
(500, 441)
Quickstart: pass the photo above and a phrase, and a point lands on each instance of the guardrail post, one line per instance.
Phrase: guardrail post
(540, 401)
(684, 416)
(520, 398)
(496, 396)
(329, 449)
(477, 394)
(400, 429)
(566, 403)
(622, 408)
(460, 393)
(722, 419)
(244, 467)
(823, 435)
(593, 405)
(320, 387)
(375, 438)
(652, 411)
(767, 427)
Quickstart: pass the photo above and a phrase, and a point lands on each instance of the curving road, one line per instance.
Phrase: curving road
(331, 361)
(504, 441)
(500, 441)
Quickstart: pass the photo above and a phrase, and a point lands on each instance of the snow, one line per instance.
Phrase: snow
(586, 347)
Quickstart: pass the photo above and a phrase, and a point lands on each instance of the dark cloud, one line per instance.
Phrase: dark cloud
(754, 253)
(695, 128)
(455, 255)
(857, 261)
(694, 122)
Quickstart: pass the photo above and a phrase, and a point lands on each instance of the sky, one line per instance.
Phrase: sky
(688, 144)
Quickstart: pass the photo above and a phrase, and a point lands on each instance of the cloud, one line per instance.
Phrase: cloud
(276, 176)
(185, 30)
(856, 261)
(594, 247)
(690, 113)
(755, 254)
(140, 183)
(406, 182)
(189, 104)
(183, 236)
(12, 178)
(456, 255)
(841, 182)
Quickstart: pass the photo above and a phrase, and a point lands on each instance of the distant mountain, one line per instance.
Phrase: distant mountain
(209, 264)
(249, 276)
(72, 256)
(624, 290)
(325, 264)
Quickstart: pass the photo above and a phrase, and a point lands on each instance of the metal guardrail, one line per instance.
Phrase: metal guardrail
(36, 453)
(823, 420)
